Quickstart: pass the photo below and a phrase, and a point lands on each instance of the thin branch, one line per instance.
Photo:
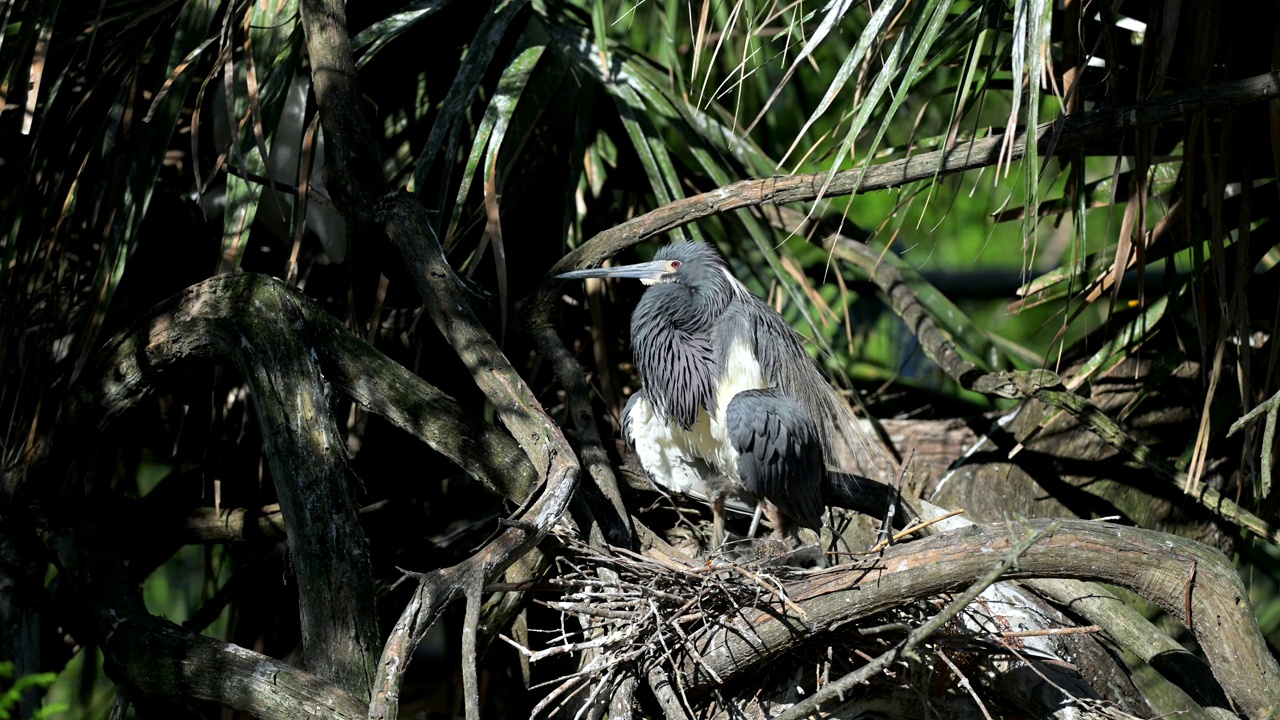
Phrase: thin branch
(440, 587)
(470, 629)
(964, 683)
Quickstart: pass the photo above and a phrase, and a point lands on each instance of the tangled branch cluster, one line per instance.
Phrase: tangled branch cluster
(634, 619)
(637, 616)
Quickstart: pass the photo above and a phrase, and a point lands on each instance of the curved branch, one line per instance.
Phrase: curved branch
(161, 659)
(222, 317)
(907, 648)
(447, 302)
(1052, 137)
(540, 438)
(1042, 385)
(405, 221)
(255, 322)
(133, 364)
(1152, 564)
(353, 163)
(607, 508)
(1124, 625)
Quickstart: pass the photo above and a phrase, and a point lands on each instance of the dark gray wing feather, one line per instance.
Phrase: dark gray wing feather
(779, 453)
(787, 366)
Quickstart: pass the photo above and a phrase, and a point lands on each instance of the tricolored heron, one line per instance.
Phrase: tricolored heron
(731, 402)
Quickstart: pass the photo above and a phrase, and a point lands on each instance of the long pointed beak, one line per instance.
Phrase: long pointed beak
(649, 271)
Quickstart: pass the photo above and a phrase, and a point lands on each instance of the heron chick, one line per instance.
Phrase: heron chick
(732, 407)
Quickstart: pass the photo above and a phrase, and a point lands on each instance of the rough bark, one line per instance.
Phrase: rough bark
(163, 660)
(1155, 565)
(309, 467)
(184, 328)
(276, 337)
(1063, 469)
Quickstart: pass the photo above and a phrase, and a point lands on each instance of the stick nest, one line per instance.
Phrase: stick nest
(637, 619)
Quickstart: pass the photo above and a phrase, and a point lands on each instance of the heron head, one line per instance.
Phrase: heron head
(677, 262)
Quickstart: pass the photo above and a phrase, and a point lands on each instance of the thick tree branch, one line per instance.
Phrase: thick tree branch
(1152, 564)
(907, 648)
(134, 363)
(155, 656)
(405, 221)
(1124, 625)
(210, 525)
(161, 659)
(309, 465)
(256, 323)
(224, 318)
(906, 305)
(1054, 137)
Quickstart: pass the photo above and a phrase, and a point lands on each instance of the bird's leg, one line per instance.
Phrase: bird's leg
(717, 521)
(783, 528)
(755, 521)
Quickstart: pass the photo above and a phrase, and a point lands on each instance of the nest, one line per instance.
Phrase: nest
(654, 629)
(637, 620)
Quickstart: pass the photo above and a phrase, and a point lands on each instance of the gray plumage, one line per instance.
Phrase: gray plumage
(779, 453)
(731, 399)
(672, 332)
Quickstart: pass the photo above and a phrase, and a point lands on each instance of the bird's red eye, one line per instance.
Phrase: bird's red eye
(675, 264)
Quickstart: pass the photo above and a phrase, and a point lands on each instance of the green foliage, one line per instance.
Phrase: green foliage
(10, 697)
(144, 150)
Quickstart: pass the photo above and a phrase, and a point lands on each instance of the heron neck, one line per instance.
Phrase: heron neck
(671, 338)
